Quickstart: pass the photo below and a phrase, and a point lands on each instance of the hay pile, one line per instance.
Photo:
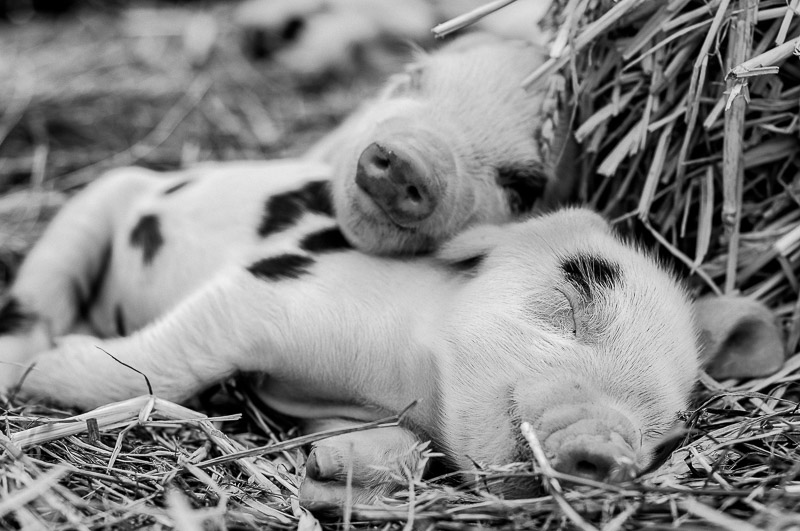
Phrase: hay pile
(692, 129)
(715, 189)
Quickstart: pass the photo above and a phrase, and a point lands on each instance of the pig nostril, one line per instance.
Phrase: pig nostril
(587, 469)
(413, 194)
(382, 163)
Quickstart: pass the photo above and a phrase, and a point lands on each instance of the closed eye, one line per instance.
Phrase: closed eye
(564, 315)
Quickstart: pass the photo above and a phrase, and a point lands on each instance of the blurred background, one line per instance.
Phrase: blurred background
(87, 85)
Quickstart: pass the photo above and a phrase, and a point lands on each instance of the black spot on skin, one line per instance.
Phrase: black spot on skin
(175, 187)
(325, 241)
(283, 210)
(281, 267)
(119, 321)
(523, 184)
(147, 235)
(468, 265)
(317, 197)
(14, 318)
(588, 273)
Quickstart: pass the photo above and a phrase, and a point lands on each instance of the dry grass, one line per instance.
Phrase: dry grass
(690, 138)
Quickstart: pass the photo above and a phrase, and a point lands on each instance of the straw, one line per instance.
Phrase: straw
(667, 97)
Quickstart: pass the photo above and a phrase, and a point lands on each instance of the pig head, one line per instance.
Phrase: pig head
(607, 359)
(453, 141)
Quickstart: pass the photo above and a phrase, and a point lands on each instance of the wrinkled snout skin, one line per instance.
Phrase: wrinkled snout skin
(588, 441)
(453, 141)
(399, 184)
(603, 358)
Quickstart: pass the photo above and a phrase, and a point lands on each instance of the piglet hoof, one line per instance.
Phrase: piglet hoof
(378, 463)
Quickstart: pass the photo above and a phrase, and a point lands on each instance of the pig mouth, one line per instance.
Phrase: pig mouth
(367, 223)
(375, 215)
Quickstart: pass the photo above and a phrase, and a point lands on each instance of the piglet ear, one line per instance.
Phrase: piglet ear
(739, 337)
(467, 250)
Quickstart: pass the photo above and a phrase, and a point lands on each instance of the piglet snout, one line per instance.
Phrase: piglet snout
(596, 448)
(596, 457)
(396, 183)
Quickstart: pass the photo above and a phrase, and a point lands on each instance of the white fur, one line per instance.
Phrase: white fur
(361, 336)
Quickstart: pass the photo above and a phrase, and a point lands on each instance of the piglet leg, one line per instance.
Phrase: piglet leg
(293, 328)
(60, 273)
(361, 467)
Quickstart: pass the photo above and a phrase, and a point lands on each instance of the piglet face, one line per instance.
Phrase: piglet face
(451, 143)
(405, 184)
(587, 339)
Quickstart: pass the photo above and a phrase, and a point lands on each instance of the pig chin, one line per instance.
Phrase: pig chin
(371, 230)
(374, 232)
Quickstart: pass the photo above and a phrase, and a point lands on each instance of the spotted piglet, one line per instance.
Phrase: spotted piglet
(241, 269)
